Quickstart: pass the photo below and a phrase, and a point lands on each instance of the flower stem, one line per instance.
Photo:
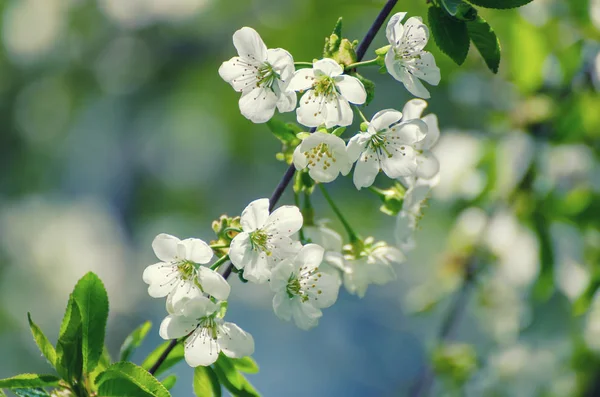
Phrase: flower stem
(308, 64)
(360, 113)
(217, 246)
(297, 202)
(219, 262)
(363, 63)
(351, 233)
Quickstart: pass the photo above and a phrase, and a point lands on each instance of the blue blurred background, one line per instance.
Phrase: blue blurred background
(117, 127)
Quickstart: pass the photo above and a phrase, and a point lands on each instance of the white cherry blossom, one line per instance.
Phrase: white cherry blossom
(409, 215)
(428, 165)
(265, 239)
(406, 60)
(373, 266)
(301, 289)
(332, 243)
(328, 92)
(324, 155)
(388, 145)
(180, 276)
(261, 75)
(208, 333)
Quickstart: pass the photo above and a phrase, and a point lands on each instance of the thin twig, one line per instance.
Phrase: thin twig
(451, 320)
(289, 173)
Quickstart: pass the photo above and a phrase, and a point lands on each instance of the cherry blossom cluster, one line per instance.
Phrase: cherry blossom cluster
(303, 261)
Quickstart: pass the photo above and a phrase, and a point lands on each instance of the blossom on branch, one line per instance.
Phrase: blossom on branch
(328, 93)
(324, 155)
(428, 165)
(261, 75)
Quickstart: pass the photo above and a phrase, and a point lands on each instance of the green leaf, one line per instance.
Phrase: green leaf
(459, 9)
(169, 381)
(233, 381)
(206, 383)
(500, 4)
(69, 361)
(103, 364)
(450, 34)
(29, 381)
(30, 392)
(245, 364)
(485, 40)
(173, 358)
(43, 343)
(92, 300)
(121, 378)
(134, 340)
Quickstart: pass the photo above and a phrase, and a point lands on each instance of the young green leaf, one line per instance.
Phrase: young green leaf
(233, 381)
(120, 379)
(485, 40)
(450, 34)
(500, 4)
(206, 383)
(459, 9)
(43, 343)
(29, 381)
(245, 364)
(92, 300)
(36, 392)
(134, 340)
(103, 364)
(69, 361)
(169, 382)
(173, 358)
(281, 130)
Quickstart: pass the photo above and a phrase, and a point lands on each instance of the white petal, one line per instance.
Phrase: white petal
(394, 29)
(195, 250)
(182, 293)
(302, 79)
(280, 276)
(255, 215)
(285, 220)
(234, 341)
(384, 119)
(309, 257)
(233, 72)
(352, 89)
(286, 102)
(256, 267)
(393, 66)
(258, 105)
(402, 163)
(428, 165)
(282, 61)
(283, 247)
(414, 85)
(201, 349)
(413, 109)
(338, 112)
(319, 174)
(327, 238)
(173, 327)
(426, 69)
(311, 111)
(405, 227)
(366, 169)
(213, 283)
(381, 274)
(356, 146)
(249, 45)
(409, 132)
(241, 251)
(388, 255)
(327, 67)
(325, 290)
(299, 158)
(305, 315)
(199, 307)
(282, 305)
(433, 132)
(162, 278)
(165, 247)
(356, 278)
(416, 34)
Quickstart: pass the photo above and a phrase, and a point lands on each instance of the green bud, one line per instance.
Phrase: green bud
(222, 309)
(455, 362)
(339, 131)
(303, 182)
(392, 198)
(302, 135)
(346, 53)
(332, 43)
(382, 51)
(364, 126)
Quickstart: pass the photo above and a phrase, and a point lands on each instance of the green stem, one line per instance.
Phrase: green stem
(351, 233)
(377, 191)
(307, 64)
(219, 262)
(217, 246)
(360, 113)
(363, 63)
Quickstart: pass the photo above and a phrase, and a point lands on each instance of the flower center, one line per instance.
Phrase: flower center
(259, 239)
(301, 285)
(378, 144)
(324, 85)
(266, 75)
(208, 326)
(187, 270)
(320, 153)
